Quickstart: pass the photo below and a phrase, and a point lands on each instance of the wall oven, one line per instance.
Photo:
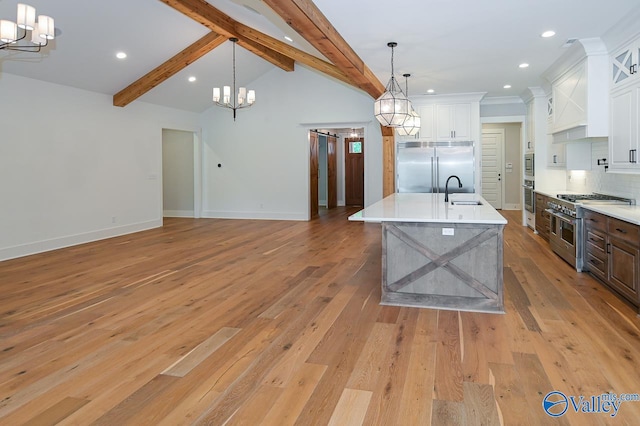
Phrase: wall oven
(529, 165)
(529, 197)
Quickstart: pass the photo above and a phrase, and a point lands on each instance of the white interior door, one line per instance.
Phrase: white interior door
(492, 165)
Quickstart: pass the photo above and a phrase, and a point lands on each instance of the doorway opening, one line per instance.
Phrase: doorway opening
(501, 164)
(336, 168)
(181, 174)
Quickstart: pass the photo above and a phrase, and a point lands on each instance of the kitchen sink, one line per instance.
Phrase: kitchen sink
(466, 203)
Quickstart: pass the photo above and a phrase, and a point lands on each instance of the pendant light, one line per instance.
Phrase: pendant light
(245, 98)
(392, 108)
(411, 125)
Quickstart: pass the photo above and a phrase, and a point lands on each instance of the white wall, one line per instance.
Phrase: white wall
(264, 154)
(74, 168)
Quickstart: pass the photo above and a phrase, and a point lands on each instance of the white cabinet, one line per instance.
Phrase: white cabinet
(453, 122)
(556, 155)
(624, 139)
(569, 95)
(624, 65)
(427, 122)
(530, 124)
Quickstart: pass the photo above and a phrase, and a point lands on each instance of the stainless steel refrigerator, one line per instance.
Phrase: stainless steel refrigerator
(425, 166)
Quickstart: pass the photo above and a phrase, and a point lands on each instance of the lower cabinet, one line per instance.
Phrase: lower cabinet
(543, 221)
(612, 253)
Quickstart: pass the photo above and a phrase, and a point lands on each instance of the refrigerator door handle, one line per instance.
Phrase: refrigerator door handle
(437, 179)
(433, 170)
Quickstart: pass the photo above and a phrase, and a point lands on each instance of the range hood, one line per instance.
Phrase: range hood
(580, 93)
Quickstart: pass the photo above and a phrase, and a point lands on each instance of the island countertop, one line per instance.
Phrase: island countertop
(431, 208)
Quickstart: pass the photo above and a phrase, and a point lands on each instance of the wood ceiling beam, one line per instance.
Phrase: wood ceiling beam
(308, 21)
(204, 13)
(161, 73)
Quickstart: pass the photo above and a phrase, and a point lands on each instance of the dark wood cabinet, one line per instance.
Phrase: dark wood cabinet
(612, 253)
(543, 218)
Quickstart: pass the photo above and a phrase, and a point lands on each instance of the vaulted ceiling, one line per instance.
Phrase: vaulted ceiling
(450, 46)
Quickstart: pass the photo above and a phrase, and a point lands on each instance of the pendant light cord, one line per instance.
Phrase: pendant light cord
(234, 75)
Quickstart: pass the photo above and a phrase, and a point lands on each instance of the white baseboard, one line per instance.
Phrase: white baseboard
(72, 240)
(213, 214)
(511, 207)
(178, 213)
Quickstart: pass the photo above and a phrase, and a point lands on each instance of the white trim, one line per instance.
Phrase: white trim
(501, 100)
(72, 240)
(178, 213)
(261, 215)
(511, 207)
(504, 119)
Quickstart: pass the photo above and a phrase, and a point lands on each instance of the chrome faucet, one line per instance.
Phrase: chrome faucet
(446, 187)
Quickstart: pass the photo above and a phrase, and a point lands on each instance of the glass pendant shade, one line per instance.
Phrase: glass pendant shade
(393, 107)
(411, 125)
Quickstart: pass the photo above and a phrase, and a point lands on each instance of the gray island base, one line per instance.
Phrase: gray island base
(439, 255)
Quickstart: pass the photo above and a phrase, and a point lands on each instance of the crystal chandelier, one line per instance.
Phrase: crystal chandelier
(245, 98)
(13, 35)
(393, 107)
(411, 125)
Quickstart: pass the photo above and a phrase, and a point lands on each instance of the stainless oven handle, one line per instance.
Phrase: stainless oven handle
(527, 186)
(562, 217)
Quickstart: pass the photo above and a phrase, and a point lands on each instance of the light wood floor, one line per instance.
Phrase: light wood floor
(267, 322)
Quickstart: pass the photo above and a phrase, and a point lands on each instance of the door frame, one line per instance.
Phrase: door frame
(501, 167)
(340, 147)
(198, 166)
(512, 119)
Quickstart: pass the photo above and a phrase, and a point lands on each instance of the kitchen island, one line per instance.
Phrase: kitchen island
(440, 255)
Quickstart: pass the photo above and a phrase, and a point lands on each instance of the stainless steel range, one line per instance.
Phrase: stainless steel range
(567, 228)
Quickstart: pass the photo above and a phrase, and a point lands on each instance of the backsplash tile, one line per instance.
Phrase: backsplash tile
(596, 180)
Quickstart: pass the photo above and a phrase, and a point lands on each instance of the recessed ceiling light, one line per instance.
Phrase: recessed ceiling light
(192, 79)
(523, 65)
(548, 34)
(121, 55)
(430, 91)
(507, 86)
(289, 39)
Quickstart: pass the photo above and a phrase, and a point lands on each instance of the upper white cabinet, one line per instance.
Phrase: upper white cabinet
(453, 122)
(624, 140)
(624, 65)
(580, 92)
(530, 124)
(427, 122)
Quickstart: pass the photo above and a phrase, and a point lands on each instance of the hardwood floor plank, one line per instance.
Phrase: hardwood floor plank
(449, 375)
(351, 408)
(200, 352)
(57, 412)
(448, 413)
(480, 404)
(416, 401)
(295, 395)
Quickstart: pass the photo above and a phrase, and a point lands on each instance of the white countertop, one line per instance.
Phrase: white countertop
(406, 207)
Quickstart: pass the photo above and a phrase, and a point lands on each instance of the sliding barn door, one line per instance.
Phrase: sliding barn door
(313, 175)
(332, 174)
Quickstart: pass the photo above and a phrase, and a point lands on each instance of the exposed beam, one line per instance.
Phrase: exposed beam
(247, 33)
(161, 73)
(204, 13)
(308, 21)
(216, 21)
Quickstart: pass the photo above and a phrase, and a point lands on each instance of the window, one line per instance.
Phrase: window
(355, 147)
